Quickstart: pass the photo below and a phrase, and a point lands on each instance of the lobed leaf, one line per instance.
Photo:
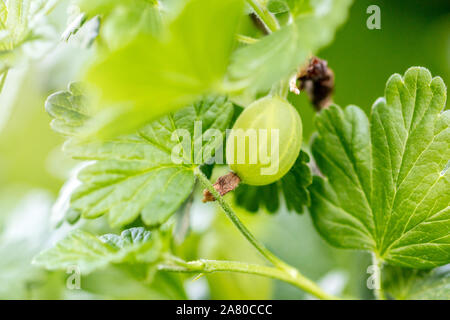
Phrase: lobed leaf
(387, 187)
(69, 110)
(140, 174)
(90, 253)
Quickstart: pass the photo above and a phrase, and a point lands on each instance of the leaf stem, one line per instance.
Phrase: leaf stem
(283, 272)
(268, 18)
(378, 291)
(209, 266)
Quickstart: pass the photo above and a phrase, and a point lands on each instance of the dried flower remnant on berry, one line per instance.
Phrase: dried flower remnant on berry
(223, 185)
(317, 79)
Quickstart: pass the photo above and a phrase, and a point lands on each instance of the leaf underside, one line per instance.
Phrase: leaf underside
(386, 187)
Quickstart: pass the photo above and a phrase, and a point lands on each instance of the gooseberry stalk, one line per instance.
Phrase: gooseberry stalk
(281, 270)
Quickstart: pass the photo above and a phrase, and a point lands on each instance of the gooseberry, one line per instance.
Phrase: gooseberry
(265, 141)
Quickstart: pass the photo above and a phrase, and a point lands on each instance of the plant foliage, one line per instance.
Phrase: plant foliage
(387, 187)
(135, 174)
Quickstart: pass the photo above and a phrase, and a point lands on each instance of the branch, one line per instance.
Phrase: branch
(209, 266)
(236, 221)
(282, 270)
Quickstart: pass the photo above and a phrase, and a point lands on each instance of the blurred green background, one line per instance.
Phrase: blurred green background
(33, 169)
(413, 33)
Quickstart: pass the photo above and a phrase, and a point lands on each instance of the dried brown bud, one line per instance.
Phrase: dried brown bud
(317, 79)
(223, 185)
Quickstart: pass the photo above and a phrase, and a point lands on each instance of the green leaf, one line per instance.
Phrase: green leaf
(18, 20)
(106, 7)
(293, 186)
(277, 56)
(412, 284)
(387, 187)
(136, 174)
(150, 76)
(74, 26)
(295, 7)
(277, 6)
(123, 20)
(83, 31)
(69, 110)
(435, 286)
(89, 252)
(14, 19)
(253, 198)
